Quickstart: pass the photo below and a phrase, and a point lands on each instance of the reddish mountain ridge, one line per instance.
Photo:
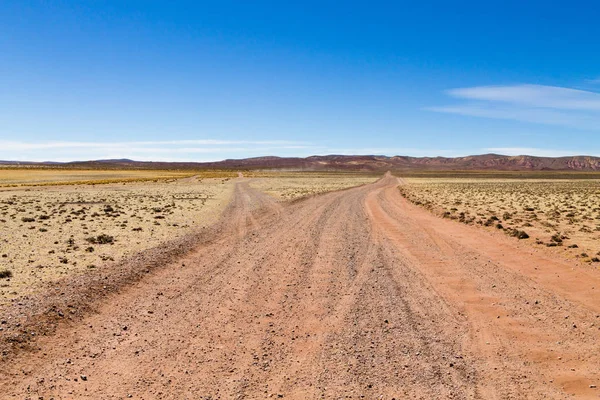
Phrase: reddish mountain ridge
(491, 162)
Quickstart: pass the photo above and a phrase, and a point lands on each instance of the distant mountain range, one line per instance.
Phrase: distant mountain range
(490, 162)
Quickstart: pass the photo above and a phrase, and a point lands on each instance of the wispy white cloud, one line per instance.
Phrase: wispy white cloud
(168, 150)
(11, 145)
(524, 114)
(193, 150)
(533, 96)
(216, 150)
(528, 103)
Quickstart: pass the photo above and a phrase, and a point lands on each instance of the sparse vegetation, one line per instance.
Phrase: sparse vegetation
(48, 176)
(5, 273)
(519, 234)
(67, 228)
(555, 212)
(100, 239)
(294, 185)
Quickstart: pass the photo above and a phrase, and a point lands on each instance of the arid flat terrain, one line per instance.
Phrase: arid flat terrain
(562, 214)
(27, 176)
(60, 227)
(354, 293)
(296, 185)
(51, 231)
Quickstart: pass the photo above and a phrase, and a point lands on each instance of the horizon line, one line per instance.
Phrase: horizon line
(109, 160)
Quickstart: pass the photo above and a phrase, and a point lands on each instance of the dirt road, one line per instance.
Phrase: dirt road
(351, 294)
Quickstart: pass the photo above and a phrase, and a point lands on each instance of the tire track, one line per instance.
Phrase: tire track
(351, 294)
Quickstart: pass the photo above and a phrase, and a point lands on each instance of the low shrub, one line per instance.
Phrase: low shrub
(101, 239)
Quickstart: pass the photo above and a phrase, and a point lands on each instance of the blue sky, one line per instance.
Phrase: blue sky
(200, 80)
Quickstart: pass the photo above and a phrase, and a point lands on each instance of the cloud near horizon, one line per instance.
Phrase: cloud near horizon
(205, 150)
(16, 145)
(536, 104)
(168, 150)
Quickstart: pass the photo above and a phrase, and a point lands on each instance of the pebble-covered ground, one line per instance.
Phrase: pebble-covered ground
(49, 231)
(53, 230)
(293, 185)
(555, 213)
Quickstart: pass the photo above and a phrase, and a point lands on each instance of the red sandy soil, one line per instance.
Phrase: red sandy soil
(351, 294)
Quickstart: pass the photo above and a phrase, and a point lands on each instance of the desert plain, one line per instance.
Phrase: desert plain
(562, 213)
(267, 284)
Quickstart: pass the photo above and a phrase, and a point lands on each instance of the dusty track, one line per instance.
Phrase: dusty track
(352, 294)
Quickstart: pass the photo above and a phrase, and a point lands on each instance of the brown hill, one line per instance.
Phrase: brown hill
(489, 162)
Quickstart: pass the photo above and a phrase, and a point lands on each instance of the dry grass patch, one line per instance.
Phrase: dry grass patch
(56, 176)
(294, 185)
(47, 232)
(554, 213)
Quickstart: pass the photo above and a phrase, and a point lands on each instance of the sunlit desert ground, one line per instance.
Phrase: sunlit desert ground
(50, 231)
(257, 274)
(563, 213)
(27, 176)
(294, 185)
(52, 225)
